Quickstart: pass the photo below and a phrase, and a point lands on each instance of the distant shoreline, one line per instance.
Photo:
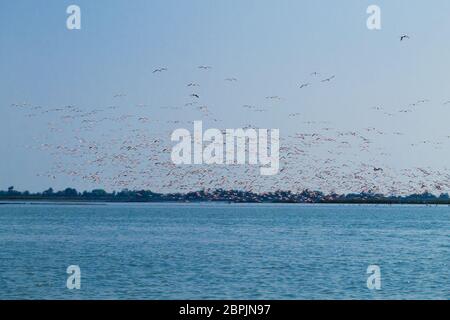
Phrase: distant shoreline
(72, 196)
(63, 202)
(103, 202)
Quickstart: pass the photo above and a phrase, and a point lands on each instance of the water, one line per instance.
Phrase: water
(221, 251)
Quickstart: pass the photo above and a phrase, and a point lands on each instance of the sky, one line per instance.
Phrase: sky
(269, 46)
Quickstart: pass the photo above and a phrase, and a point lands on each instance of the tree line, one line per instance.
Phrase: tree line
(220, 195)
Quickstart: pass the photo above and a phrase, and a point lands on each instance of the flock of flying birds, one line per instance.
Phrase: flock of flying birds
(127, 146)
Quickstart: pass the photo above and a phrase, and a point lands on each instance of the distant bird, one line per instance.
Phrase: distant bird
(304, 85)
(273, 98)
(204, 67)
(403, 37)
(328, 79)
(193, 85)
(195, 95)
(159, 70)
(377, 169)
(315, 73)
(260, 110)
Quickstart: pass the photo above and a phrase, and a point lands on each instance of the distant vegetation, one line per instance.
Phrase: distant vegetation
(219, 195)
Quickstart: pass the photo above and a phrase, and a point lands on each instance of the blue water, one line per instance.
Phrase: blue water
(221, 251)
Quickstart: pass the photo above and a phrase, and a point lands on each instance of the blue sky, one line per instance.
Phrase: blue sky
(270, 46)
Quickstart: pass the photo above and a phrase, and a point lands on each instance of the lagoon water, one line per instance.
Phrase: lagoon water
(224, 251)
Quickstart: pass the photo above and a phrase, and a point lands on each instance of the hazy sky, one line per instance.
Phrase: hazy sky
(269, 46)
